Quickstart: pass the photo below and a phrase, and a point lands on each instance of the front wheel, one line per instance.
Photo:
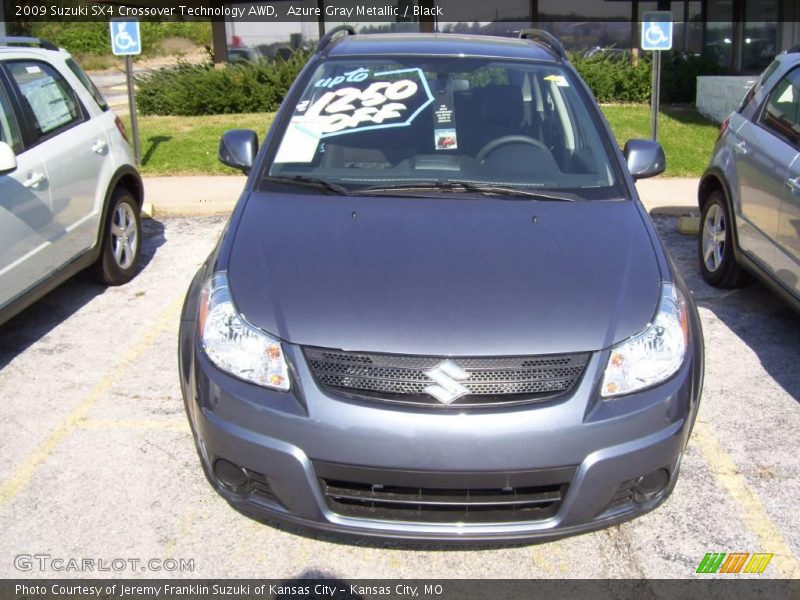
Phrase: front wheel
(119, 257)
(717, 261)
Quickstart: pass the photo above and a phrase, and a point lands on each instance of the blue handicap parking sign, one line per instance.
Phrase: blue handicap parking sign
(125, 38)
(657, 30)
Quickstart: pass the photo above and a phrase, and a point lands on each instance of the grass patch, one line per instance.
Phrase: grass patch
(686, 136)
(188, 145)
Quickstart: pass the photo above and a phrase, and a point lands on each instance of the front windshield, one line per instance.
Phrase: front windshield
(395, 122)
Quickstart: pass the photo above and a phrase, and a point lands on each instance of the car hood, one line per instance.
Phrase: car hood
(444, 276)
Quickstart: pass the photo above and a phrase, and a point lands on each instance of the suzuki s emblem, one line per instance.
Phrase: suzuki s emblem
(447, 376)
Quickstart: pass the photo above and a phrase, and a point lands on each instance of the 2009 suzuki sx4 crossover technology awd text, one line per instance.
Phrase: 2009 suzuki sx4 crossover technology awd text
(439, 309)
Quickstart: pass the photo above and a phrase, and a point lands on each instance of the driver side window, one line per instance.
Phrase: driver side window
(48, 98)
(781, 113)
(9, 132)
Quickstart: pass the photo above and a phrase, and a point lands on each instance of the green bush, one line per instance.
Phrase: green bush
(192, 90)
(93, 38)
(616, 79)
(679, 77)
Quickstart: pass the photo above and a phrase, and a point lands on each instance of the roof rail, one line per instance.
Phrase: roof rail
(328, 37)
(27, 41)
(545, 38)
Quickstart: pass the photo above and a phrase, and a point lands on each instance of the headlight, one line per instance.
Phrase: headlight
(655, 354)
(234, 345)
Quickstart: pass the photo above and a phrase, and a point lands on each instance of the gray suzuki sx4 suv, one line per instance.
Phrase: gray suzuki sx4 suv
(439, 310)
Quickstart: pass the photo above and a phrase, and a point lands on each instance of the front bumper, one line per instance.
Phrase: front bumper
(288, 438)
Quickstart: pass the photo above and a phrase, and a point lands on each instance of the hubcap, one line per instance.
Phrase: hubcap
(713, 238)
(124, 239)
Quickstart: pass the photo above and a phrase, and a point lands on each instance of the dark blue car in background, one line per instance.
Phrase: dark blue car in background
(439, 309)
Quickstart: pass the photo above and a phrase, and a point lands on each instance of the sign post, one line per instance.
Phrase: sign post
(126, 41)
(657, 37)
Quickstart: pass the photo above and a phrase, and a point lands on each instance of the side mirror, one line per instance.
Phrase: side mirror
(238, 149)
(645, 158)
(8, 160)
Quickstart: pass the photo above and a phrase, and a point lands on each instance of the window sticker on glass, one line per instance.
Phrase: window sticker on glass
(298, 146)
(356, 101)
(559, 80)
(446, 139)
(444, 121)
(49, 104)
(787, 96)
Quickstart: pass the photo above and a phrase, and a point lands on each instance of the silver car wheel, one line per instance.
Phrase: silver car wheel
(714, 238)
(124, 239)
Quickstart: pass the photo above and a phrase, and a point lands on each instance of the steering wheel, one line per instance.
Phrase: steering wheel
(504, 141)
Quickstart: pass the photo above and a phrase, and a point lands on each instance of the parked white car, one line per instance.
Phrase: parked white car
(70, 194)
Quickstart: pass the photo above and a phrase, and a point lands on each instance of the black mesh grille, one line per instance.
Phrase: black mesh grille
(443, 496)
(402, 379)
(395, 503)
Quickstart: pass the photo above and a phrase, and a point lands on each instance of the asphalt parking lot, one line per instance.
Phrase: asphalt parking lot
(99, 462)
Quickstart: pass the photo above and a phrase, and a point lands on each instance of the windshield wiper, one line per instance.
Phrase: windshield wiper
(500, 190)
(310, 182)
(466, 186)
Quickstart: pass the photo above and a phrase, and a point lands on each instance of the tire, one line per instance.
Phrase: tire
(121, 241)
(717, 261)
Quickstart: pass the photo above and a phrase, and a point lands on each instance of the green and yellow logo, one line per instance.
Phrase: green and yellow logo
(736, 562)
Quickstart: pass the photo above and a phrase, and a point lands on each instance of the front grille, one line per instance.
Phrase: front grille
(445, 497)
(402, 379)
(443, 506)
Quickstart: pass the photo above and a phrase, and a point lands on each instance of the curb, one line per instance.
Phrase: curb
(200, 209)
(213, 208)
(689, 225)
(203, 195)
(192, 195)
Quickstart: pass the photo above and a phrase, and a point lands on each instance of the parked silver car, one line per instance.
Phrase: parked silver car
(70, 194)
(749, 196)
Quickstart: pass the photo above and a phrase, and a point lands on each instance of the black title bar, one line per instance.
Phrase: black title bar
(374, 11)
(705, 588)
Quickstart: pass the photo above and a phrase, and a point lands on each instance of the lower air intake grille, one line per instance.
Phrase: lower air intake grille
(624, 494)
(259, 485)
(450, 503)
(486, 381)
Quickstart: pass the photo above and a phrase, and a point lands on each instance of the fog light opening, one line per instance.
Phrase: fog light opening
(230, 475)
(651, 485)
